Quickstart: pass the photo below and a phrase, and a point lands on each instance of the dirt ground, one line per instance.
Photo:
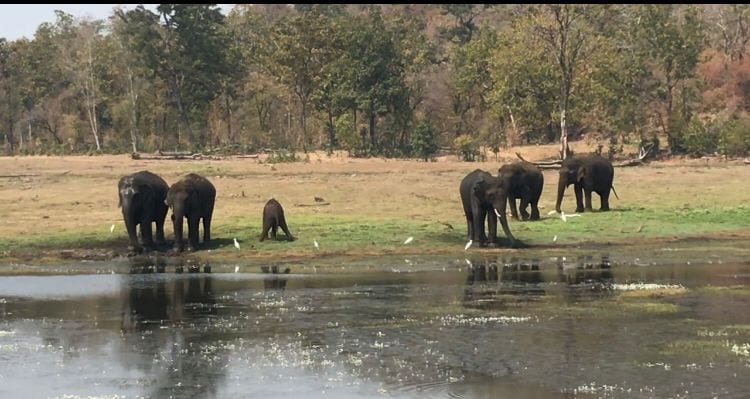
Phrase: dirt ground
(43, 196)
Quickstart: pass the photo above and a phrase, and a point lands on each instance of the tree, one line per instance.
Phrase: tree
(425, 140)
(569, 35)
(672, 44)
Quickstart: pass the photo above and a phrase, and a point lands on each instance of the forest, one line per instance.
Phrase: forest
(380, 80)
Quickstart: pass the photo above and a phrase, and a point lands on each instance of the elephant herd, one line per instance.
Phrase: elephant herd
(145, 199)
(485, 196)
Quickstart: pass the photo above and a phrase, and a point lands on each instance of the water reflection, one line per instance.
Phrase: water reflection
(164, 324)
(496, 327)
(275, 281)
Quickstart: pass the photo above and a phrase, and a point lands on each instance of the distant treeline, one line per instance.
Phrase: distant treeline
(389, 80)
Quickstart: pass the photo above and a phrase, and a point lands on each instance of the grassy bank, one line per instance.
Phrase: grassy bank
(64, 207)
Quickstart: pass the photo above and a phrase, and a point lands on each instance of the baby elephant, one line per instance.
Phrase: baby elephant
(273, 218)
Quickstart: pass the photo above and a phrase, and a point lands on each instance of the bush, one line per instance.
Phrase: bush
(282, 156)
(467, 146)
(734, 137)
(424, 140)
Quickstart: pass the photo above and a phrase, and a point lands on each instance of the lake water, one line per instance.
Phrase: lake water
(380, 328)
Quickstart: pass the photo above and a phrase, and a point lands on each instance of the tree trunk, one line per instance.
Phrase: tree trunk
(228, 115)
(133, 113)
(303, 100)
(563, 136)
(89, 92)
(331, 133)
(373, 137)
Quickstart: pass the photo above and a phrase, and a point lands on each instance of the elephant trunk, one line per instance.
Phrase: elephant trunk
(560, 192)
(129, 216)
(177, 215)
(504, 219)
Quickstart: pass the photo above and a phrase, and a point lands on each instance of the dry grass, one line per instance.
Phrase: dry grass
(77, 195)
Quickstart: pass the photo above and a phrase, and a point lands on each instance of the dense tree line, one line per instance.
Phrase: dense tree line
(392, 80)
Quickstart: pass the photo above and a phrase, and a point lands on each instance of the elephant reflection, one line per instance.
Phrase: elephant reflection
(274, 282)
(588, 279)
(187, 306)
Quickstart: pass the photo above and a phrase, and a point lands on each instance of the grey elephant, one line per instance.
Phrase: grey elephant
(587, 173)
(192, 197)
(525, 183)
(141, 197)
(485, 196)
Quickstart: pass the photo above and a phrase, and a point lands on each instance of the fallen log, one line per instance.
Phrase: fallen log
(556, 162)
(318, 204)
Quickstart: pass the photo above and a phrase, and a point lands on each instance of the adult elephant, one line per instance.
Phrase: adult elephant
(484, 196)
(525, 182)
(191, 197)
(588, 173)
(142, 197)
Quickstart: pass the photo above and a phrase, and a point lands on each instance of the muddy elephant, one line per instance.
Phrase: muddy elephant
(525, 182)
(485, 196)
(142, 196)
(273, 218)
(191, 197)
(588, 173)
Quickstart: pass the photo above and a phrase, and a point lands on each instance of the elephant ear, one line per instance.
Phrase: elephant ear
(581, 174)
(480, 187)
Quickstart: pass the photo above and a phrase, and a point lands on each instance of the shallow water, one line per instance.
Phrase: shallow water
(457, 328)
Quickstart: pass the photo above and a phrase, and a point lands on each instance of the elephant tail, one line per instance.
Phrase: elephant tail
(613, 190)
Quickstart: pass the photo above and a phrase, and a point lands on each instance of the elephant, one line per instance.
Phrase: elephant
(191, 197)
(482, 195)
(587, 172)
(525, 183)
(273, 218)
(142, 196)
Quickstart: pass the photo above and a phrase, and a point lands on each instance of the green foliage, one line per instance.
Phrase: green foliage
(349, 138)
(468, 147)
(424, 140)
(692, 136)
(187, 77)
(734, 137)
(282, 156)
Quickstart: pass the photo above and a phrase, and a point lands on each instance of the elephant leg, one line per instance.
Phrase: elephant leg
(469, 223)
(206, 230)
(134, 247)
(524, 205)
(604, 196)
(148, 240)
(274, 229)
(513, 210)
(282, 224)
(579, 197)
(264, 233)
(161, 215)
(535, 209)
(587, 193)
(193, 232)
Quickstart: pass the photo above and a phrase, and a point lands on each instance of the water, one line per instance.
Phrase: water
(452, 328)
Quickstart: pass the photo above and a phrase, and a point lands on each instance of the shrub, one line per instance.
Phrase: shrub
(467, 146)
(424, 140)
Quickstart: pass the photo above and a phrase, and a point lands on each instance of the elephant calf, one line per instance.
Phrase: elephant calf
(142, 197)
(525, 182)
(273, 218)
(191, 197)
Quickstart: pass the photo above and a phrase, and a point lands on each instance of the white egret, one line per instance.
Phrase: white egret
(236, 244)
(408, 240)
